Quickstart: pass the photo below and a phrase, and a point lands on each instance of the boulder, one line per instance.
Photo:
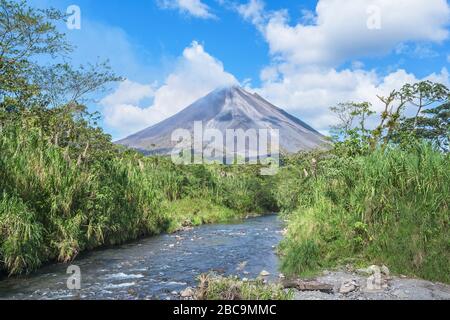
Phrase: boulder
(385, 270)
(311, 285)
(187, 293)
(347, 287)
(369, 271)
(264, 273)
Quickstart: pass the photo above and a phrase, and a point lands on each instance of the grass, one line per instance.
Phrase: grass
(191, 212)
(213, 287)
(388, 207)
(52, 207)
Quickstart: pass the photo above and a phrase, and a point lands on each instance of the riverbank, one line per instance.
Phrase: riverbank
(52, 207)
(182, 215)
(388, 206)
(341, 284)
(350, 285)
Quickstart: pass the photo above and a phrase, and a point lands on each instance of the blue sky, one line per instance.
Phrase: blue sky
(303, 56)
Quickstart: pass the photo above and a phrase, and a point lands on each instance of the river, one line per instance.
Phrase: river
(156, 267)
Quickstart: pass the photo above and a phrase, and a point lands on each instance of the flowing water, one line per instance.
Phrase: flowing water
(155, 267)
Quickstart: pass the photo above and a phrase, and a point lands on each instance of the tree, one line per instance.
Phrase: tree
(427, 101)
(25, 33)
(352, 117)
(61, 84)
(422, 95)
(431, 124)
(351, 134)
(51, 98)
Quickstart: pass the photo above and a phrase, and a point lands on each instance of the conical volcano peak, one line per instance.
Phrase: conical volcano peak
(230, 107)
(230, 90)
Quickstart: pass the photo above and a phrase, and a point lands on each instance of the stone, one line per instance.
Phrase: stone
(264, 273)
(400, 294)
(374, 283)
(307, 285)
(373, 269)
(347, 287)
(187, 293)
(385, 270)
(369, 271)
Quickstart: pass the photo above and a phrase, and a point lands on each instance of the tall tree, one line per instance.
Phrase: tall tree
(25, 34)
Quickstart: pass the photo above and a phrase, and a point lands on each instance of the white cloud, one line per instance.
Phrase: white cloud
(310, 93)
(421, 51)
(196, 74)
(252, 11)
(129, 92)
(304, 77)
(192, 7)
(341, 30)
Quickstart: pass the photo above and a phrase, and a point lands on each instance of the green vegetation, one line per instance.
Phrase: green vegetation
(213, 287)
(380, 196)
(53, 207)
(64, 186)
(391, 207)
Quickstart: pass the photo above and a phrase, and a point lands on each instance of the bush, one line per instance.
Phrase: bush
(21, 236)
(213, 287)
(55, 206)
(390, 206)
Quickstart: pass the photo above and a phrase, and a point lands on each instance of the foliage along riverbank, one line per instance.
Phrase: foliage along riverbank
(52, 209)
(64, 186)
(389, 207)
(380, 196)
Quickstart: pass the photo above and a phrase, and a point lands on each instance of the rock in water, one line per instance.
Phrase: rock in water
(187, 293)
(264, 273)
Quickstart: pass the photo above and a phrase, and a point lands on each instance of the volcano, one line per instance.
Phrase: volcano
(229, 108)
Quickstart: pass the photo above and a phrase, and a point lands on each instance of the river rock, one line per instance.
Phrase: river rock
(264, 273)
(373, 269)
(310, 285)
(385, 270)
(187, 293)
(348, 286)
